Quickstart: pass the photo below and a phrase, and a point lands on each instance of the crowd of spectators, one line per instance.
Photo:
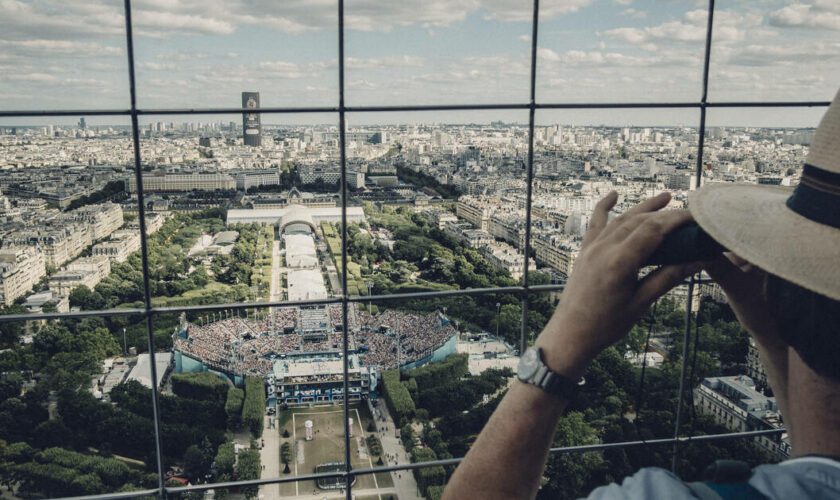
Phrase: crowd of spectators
(249, 346)
(409, 336)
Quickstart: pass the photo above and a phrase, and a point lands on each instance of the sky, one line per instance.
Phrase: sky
(70, 54)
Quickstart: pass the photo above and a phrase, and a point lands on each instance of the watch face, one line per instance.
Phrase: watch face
(529, 363)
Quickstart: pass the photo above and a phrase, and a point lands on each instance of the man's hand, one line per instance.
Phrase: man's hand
(604, 296)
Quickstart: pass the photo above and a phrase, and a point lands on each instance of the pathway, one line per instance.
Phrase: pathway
(276, 292)
(270, 459)
(404, 481)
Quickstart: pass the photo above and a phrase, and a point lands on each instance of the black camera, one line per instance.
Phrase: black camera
(689, 243)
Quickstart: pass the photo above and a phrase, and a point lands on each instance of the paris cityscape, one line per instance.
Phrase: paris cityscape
(252, 212)
(304, 312)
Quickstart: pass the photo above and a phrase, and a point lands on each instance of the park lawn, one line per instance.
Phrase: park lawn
(188, 298)
(328, 445)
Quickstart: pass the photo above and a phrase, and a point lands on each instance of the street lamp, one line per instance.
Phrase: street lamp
(370, 289)
(125, 345)
(498, 313)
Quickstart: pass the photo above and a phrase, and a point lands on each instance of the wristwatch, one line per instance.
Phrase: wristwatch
(532, 370)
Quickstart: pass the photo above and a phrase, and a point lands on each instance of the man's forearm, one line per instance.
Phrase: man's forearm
(508, 457)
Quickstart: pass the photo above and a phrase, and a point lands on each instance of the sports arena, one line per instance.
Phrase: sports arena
(298, 350)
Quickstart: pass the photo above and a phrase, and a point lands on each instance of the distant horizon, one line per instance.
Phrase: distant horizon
(92, 122)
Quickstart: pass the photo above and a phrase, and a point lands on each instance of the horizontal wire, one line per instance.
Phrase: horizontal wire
(361, 299)
(122, 494)
(8, 318)
(455, 461)
(419, 107)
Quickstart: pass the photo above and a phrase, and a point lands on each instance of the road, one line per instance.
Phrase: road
(275, 290)
(404, 482)
(270, 451)
(270, 459)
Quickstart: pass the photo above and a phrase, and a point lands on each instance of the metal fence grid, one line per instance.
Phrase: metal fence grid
(148, 312)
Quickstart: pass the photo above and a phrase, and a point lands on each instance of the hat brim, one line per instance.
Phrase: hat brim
(755, 223)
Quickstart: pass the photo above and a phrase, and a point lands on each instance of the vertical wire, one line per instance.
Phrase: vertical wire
(698, 178)
(686, 337)
(344, 303)
(694, 359)
(144, 250)
(526, 293)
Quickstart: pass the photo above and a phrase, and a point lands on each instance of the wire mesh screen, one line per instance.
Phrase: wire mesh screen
(150, 311)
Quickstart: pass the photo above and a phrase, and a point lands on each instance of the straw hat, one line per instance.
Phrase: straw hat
(791, 233)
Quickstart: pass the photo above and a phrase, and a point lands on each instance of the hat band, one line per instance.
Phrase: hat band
(817, 197)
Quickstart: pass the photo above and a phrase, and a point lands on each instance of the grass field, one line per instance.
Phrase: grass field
(327, 446)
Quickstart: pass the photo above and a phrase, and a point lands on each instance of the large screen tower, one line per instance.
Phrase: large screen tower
(251, 129)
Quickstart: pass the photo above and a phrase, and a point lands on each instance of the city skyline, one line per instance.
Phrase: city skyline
(196, 55)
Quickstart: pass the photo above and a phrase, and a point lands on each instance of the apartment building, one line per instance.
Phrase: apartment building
(102, 220)
(504, 257)
(557, 252)
(20, 269)
(59, 244)
(466, 234)
(121, 245)
(173, 182)
(247, 180)
(755, 368)
(734, 403)
(87, 271)
(475, 210)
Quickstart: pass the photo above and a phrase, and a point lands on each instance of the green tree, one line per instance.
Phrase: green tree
(571, 476)
(248, 467)
(253, 408)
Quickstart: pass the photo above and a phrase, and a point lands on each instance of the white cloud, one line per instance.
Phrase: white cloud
(604, 59)
(634, 13)
(729, 27)
(792, 54)
(58, 48)
(513, 10)
(31, 77)
(404, 61)
(156, 66)
(63, 19)
(174, 23)
(283, 69)
(820, 15)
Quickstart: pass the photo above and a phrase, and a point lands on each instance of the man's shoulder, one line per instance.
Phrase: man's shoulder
(806, 477)
(650, 482)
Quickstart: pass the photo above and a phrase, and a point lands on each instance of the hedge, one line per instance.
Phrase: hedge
(286, 453)
(397, 397)
(434, 492)
(203, 386)
(233, 408)
(248, 467)
(427, 476)
(374, 445)
(253, 408)
(435, 374)
(225, 459)
(111, 471)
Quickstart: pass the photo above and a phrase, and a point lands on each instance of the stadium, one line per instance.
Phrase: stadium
(298, 350)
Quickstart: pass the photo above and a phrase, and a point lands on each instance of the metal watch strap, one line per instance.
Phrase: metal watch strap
(559, 385)
(554, 383)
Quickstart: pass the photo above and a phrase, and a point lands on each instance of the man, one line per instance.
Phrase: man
(783, 283)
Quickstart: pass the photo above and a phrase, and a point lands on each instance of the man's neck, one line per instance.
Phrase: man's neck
(814, 423)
